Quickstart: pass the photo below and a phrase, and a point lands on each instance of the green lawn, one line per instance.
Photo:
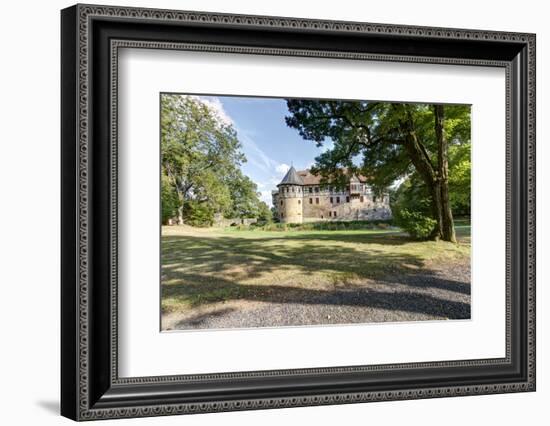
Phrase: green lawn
(203, 266)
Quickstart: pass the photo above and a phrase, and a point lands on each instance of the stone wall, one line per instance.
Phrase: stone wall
(343, 210)
(223, 222)
(289, 202)
(325, 205)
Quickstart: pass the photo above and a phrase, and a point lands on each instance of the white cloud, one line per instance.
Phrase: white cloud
(327, 145)
(215, 105)
(265, 196)
(282, 168)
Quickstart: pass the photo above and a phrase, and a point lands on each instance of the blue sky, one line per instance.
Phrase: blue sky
(269, 145)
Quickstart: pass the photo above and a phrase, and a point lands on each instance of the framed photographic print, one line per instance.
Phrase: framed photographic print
(263, 212)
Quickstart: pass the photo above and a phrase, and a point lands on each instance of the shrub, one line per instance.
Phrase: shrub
(197, 214)
(416, 224)
(321, 226)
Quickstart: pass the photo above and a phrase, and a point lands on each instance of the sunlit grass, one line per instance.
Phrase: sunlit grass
(201, 266)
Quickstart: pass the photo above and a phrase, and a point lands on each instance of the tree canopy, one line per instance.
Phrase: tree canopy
(200, 161)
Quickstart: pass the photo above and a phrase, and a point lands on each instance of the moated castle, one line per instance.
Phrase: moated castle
(301, 198)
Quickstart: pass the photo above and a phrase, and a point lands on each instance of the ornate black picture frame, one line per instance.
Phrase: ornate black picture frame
(91, 36)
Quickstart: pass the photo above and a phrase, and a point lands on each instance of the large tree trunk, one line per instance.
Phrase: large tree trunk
(423, 165)
(447, 224)
(437, 232)
(180, 215)
(436, 179)
(180, 193)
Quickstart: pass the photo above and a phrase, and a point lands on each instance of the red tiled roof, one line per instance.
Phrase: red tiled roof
(310, 179)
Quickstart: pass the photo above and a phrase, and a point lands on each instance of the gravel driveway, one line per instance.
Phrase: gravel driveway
(442, 292)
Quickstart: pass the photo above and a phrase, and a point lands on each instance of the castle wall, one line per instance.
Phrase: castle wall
(290, 204)
(291, 210)
(297, 208)
(353, 210)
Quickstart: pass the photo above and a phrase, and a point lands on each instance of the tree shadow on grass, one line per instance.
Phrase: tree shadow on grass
(202, 270)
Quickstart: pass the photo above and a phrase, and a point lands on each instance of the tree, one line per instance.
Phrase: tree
(460, 167)
(244, 196)
(200, 161)
(411, 207)
(198, 150)
(169, 200)
(393, 141)
(265, 214)
(445, 214)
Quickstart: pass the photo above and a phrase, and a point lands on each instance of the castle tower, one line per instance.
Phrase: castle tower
(291, 198)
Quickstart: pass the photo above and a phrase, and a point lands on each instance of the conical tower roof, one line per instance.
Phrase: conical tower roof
(292, 178)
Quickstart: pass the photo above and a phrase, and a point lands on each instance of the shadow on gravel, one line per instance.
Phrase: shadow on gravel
(198, 320)
(398, 301)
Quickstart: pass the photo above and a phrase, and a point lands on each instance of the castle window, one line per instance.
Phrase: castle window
(311, 201)
(362, 199)
(299, 201)
(334, 214)
(316, 189)
(281, 202)
(329, 214)
(310, 189)
(347, 199)
(337, 200)
(330, 200)
(292, 189)
(317, 201)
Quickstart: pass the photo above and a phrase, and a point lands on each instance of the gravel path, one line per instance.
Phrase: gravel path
(442, 292)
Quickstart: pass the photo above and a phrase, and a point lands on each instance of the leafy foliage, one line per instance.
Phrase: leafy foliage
(413, 195)
(460, 171)
(244, 196)
(265, 214)
(411, 208)
(169, 200)
(388, 143)
(350, 225)
(414, 223)
(197, 214)
(201, 159)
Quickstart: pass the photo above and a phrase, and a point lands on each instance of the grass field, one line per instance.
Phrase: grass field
(210, 272)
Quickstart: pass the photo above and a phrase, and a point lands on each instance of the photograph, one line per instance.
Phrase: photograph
(281, 212)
